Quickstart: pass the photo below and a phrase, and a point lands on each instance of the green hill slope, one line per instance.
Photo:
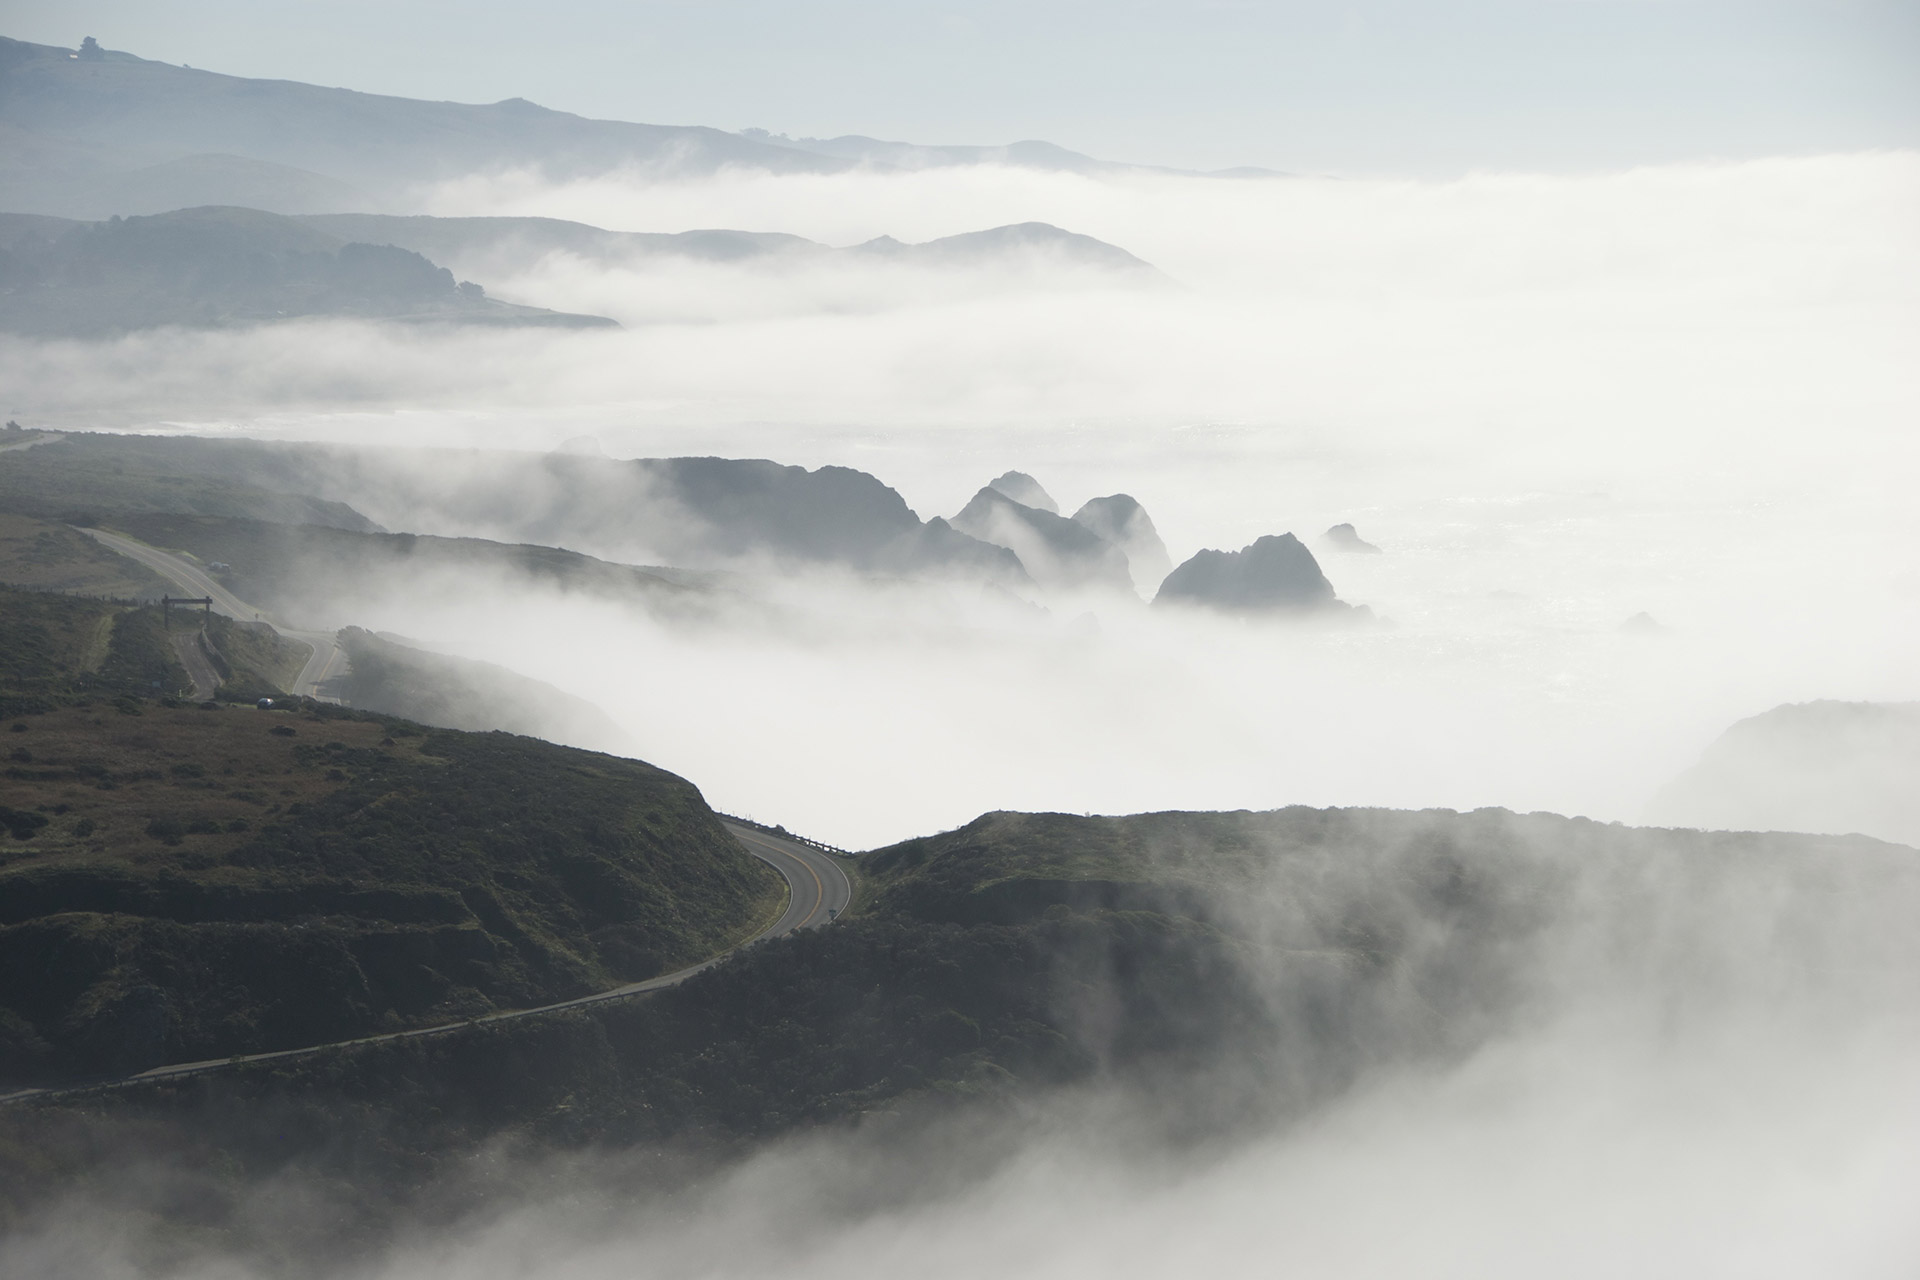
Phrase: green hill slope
(195, 883)
(1224, 970)
(56, 649)
(44, 556)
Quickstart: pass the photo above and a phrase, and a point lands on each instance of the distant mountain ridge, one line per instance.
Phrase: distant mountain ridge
(77, 136)
(224, 267)
(696, 513)
(877, 152)
(119, 134)
(1032, 153)
(509, 244)
(200, 267)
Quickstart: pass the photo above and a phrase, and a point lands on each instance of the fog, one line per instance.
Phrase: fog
(1557, 1155)
(1670, 1065)
(1555, 402)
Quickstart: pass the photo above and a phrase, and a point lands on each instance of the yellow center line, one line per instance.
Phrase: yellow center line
(819, 889)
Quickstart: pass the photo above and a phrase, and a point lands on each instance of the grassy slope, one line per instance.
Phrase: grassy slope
(284, 565)
(253, 659)
(1014, 866)
(250, 505)
(52, 557)
(1018, 952)
(86, 479)
(205, 885)
(58, 647)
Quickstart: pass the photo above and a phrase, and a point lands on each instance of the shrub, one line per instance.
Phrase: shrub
(20, 822)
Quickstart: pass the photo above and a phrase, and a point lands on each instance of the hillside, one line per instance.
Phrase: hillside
(878, 152)
(216, 880)
(503, 245)
(90, 137)
(314, 570)
(700, 513)
(1810, 766)
(450, 692)
(113, 133)
(1030, 245)
(1232, 968)
(114, 641)
(500, 246)
(45, 556)
(224, 267)
(58, 647)
(87, 479)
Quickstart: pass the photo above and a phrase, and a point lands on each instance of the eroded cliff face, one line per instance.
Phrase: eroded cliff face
(1275, 574)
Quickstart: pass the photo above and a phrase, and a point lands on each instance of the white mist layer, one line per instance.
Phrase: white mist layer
(1712, 1078)
(864, 717)
(1555, 402)
(1561, 1155)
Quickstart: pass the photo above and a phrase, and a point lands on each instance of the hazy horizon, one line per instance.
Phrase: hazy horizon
(1390, 87)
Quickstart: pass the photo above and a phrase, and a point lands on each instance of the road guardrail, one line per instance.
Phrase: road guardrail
(785, 834)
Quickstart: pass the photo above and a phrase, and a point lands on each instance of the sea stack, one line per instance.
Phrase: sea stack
(1125, 523)
(1273, 575)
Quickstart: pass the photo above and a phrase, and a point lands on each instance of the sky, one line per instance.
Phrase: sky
(1409, 87)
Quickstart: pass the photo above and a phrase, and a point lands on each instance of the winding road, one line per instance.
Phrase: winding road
(817, 891)
(328, 659)
(817, 887)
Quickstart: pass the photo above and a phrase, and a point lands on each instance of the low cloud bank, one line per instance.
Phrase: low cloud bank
(1686, 1059)
(1557, 403)
(1687, 1161)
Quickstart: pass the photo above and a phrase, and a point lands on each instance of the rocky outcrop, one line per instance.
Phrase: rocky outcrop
(1125, 523)
(1274, 575)
(937, 548)
(1058, 554)
(1343, 537)
(1026, 491)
